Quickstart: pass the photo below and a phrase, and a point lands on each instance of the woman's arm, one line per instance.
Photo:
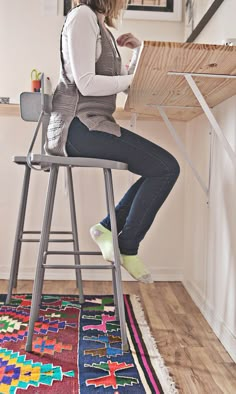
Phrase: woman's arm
(82, 34)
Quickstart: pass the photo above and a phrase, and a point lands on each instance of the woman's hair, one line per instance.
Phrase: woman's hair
(111, 8)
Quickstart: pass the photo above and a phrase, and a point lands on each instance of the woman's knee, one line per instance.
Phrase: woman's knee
(174, 168)
(171, 166)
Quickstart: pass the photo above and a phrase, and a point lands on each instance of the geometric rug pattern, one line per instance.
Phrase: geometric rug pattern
(77, 348)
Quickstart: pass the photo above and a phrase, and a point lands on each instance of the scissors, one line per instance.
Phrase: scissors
(35, 75)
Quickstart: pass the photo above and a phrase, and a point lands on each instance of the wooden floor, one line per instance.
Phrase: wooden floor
(196, 359)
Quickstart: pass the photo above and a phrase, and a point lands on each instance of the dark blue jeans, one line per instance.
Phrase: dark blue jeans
(157, 167)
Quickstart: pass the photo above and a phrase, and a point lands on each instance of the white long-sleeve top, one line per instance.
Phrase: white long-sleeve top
(81, 48)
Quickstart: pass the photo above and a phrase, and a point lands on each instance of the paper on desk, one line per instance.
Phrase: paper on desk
(136, 66)
(135, 69)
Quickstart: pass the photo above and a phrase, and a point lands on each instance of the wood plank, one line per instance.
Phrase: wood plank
(9, 110)
(120, 113)
(153, 86)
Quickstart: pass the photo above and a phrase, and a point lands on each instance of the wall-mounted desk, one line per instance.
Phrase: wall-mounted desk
(179, 81)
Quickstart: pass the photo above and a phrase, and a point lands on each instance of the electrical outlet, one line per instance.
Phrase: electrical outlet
(229, 41)
(4, 100)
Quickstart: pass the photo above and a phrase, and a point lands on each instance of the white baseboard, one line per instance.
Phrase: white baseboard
(160, 274)
(226, 337)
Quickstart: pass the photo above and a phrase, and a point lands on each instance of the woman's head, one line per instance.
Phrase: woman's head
(110, 8)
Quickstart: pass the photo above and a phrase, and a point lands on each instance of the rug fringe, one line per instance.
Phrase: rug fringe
(163, 374)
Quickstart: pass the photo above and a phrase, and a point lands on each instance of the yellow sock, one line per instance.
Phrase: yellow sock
(133, 264)
(103, 239)
(136, 268)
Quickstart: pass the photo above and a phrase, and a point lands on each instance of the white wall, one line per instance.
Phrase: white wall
(29, 40)
(210, 231)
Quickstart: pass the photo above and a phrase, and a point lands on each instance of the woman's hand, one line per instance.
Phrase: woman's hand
(128, 40)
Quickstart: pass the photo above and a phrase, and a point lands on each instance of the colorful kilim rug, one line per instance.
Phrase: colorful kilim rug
(77, 348)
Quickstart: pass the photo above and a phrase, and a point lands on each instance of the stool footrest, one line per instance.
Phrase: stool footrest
(76, 266)
(50, 240)
(51, 232)
(22, 239)
(75, 252)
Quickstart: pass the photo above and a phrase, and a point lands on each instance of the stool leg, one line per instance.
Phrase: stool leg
(115, 293)
(19, 231)
(113, 270)
(43, 246)
(79, 282)
(118, 281)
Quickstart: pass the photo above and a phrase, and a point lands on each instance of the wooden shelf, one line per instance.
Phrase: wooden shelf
(9, 110)
(153, 86)
(120, 114)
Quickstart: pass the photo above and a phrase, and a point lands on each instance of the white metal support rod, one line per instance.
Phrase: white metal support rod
(133, 121)
(210, 117)
(181, 147)
(133, 126)
(206, 75)
(212, 135)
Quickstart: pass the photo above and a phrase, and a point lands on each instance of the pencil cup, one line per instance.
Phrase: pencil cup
(35, 85)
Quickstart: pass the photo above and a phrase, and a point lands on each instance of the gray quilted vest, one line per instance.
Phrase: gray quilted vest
(68, 102)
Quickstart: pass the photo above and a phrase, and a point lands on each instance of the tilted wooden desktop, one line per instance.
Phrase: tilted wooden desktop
(179, 81)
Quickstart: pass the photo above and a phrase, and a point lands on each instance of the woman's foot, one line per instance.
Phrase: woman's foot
(103, 238)
(136, 268)
(133, 264)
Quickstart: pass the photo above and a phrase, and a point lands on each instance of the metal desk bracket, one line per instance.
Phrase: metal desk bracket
(133, 121)
(181, 146)
(209, 114)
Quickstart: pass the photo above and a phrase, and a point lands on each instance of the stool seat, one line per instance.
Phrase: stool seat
(71, 161)
(22, 160)
(78, 162)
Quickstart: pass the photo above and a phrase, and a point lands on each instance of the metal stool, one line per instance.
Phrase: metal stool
(53, 163)
(35, 107)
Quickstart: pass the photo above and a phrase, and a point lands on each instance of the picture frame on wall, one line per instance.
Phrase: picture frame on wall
(68, 4)
(197, 14)
(163, 10)
(166, 10)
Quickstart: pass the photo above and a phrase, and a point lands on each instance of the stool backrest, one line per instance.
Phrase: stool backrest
(36, 107)
(32, 104)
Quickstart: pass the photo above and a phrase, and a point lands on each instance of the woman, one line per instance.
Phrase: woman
(81, 124)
